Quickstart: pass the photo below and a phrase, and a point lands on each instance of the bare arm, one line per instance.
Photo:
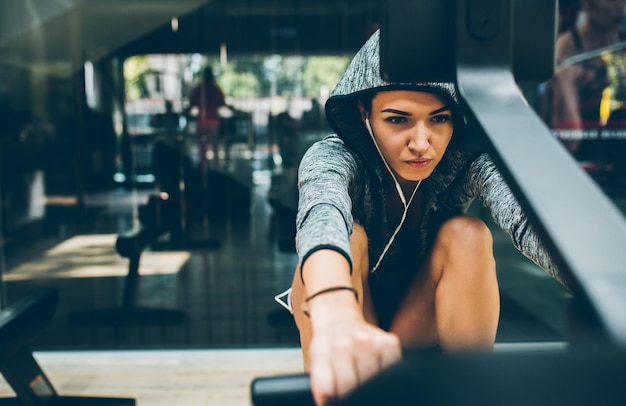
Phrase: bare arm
(342, 350)
(566, 109)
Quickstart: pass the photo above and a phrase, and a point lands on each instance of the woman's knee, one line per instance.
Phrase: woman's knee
(359, 249)
(464, 247)
(358, 239)
(465, 232)
(360, 270)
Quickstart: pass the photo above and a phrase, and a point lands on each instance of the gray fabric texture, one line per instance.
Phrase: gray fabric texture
(342, 179)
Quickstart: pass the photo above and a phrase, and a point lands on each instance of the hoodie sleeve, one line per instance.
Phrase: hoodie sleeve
(489, 185)
(324, 219)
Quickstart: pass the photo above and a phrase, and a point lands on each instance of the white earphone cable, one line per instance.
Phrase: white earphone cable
(400, 194)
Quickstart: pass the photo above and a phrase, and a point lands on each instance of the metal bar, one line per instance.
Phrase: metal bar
(583, 230)
(585, 56)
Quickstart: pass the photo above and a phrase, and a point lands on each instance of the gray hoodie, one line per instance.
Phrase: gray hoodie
(342, 178)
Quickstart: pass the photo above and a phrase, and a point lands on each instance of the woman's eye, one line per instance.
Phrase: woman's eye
(395, 119)
(441, 118)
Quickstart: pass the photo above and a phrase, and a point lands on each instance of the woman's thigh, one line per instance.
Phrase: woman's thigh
(462, 251)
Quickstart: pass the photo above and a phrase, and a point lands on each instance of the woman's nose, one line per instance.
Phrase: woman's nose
(419, 141)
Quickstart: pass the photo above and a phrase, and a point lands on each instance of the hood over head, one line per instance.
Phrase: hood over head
(363, 76)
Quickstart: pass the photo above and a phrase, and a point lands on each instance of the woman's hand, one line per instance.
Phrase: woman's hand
(345, 349)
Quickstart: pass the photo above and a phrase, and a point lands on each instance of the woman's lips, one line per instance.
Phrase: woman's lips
(418, 163)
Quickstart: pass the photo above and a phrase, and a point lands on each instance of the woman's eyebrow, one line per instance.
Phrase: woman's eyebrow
(394, 111)
(404, 113)
(444, 108)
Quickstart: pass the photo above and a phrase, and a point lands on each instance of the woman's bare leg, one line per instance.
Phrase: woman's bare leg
(360, 269)
(455, 300)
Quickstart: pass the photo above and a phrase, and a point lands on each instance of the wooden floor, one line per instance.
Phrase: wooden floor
(159, 378)
(184, 377)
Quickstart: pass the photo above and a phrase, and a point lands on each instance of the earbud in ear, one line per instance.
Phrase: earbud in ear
(369, 126)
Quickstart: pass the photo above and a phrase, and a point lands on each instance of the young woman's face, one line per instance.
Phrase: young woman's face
(412, 130)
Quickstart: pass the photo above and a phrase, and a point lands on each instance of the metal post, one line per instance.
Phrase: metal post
(583, 230)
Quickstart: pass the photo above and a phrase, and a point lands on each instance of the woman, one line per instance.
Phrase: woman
(388, 260)
(577, 90)
(207, 97)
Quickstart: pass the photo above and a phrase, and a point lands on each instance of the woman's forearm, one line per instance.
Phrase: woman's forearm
(322, 270)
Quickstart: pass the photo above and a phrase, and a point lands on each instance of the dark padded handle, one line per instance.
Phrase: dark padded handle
(284, 390)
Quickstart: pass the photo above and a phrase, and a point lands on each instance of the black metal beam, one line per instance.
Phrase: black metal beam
(583, 230)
